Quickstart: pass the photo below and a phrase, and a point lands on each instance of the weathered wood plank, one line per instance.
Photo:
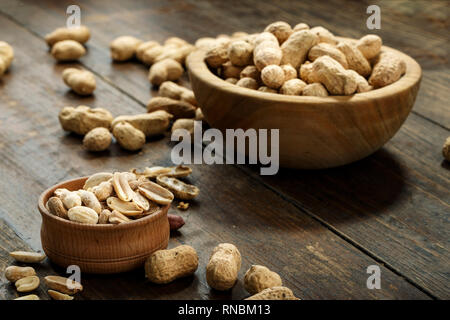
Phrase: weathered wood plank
(426, 39)
(232, 207)
(395, 204)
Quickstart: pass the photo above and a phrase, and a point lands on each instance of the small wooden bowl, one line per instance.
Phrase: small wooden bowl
(315, 132)
(101, 248)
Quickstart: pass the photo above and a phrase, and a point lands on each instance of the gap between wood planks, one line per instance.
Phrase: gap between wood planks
(279, 193)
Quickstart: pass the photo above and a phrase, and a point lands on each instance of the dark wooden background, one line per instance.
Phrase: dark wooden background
(319, 230)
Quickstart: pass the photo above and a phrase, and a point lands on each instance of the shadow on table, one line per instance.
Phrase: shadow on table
(128, 285)
(353, 192)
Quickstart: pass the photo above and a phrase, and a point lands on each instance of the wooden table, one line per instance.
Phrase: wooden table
(319, 230)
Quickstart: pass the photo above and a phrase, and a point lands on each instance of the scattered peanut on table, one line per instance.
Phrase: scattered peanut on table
(80, 81)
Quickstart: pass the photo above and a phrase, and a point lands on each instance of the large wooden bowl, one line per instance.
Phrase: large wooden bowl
(315, 132)
(101, 248)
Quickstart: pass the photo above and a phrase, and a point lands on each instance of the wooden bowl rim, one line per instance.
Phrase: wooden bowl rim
(196, 65)
(134, 223)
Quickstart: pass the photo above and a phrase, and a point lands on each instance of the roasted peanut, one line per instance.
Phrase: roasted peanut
(324, 35)
(296, 47)
(180, 189)
(355, 59)
(228, 70)
(172, 90)
(274, 293)
(164, 266)
(361, 82)
(164, 70)
(250, 72)
(150, 55)
(369, 45)
(117, 218)
(388, 68)
(27, 257)
(64, 285)
(68, 50)
(143, 47)
(300, 26)
(82, 215)
(231, 80)
(126, 208)
(83, 119)
(315, 89)
(217, 54)
(122, 187)
(156, 193)
(79, 34)
(177, 172)
(331, 74)
(6, 56)
(98, 139)
(273, 76)
(150, 124)
(175, 41)
(89, 200)
(141, 201)
(239, 35)
(280, 29)
(323, 49)
(128, 136)
(175, 222)
(177, 108)
(124, 48)
(103, 191)
(186, 124)
(55, 206)
(14, 273)
(205, 43)
(28, 297)
(258, 278)
(80, 81)
(183, 205)
(103, 217)
(249, 83)
(55, 295)
(289, 72)
(223, 267)
(177, 53)
(293, 87)
(267, 51)
(267, 89)
(96, 179)
(240, 53)
(27, 284)
(70, 199)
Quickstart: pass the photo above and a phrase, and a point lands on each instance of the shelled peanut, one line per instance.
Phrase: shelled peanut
(121, 197)
(67, 43)
(80, 81)
(166, 60)
(26, 280)
(302, 61)
(130, 131)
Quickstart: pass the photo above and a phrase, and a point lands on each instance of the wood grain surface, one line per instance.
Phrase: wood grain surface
(318, 229)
